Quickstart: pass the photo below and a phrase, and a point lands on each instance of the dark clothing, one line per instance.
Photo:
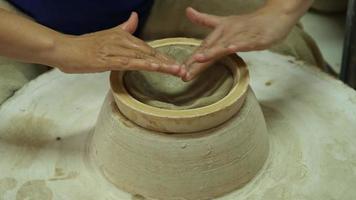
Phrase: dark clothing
(83, 16)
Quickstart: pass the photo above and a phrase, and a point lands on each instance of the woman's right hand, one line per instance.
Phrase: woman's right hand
(112, 49)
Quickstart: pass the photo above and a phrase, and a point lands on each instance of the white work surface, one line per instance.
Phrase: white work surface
(311, 119)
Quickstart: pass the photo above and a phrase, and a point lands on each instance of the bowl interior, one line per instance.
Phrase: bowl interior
(170, 92)
(125, 100)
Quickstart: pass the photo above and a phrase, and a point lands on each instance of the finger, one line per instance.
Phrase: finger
(133, 53)
(170, 69)
(124, 63)
(215, 53)
(131, 24)
(195, 69)
(83, 70)
(213, 37)
(182, 72)
(151, 54)
(138, 45)
(189, 63)
(226, 45)
(121, 52)
(166, 58)
(207, 43)
(217, 44)
(174, 69)
(203, 19)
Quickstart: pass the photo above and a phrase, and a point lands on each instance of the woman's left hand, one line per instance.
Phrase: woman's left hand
(238, 33)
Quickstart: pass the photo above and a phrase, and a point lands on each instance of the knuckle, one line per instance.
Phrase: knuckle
(124, 61)
(150, 67)
(138, 55)
(152, 52)
(158, 68)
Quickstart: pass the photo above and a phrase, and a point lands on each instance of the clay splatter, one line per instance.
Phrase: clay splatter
(34, 190)
(30, 133)
(138, 197)
(59, 174)
(268, 83)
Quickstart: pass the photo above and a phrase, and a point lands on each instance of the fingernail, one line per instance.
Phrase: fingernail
(199, 56)
(187, 76)
(182, 72)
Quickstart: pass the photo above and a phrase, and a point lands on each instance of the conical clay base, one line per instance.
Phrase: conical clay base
(200, 165)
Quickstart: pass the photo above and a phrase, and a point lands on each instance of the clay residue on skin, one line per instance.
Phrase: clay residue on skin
(169, 92)
(33, 190)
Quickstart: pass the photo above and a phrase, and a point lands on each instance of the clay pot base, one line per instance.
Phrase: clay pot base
(200, 165)
(311, 134)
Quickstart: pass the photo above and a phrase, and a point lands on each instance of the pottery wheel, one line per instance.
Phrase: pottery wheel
(169, 92)
(310, 116)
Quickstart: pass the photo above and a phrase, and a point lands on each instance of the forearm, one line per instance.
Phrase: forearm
(25, 40)
(294, 9)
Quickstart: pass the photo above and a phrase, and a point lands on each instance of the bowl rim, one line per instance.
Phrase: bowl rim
(241, 84)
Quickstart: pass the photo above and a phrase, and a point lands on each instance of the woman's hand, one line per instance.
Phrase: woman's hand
(112, 49)
(255, 31)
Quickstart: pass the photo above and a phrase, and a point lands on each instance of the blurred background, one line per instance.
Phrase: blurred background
(325, 22)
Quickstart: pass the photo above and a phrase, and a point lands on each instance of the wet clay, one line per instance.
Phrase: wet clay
(169, 92)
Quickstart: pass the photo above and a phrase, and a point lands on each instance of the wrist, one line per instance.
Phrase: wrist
(287, 13)
(57, 51)
(292, 10)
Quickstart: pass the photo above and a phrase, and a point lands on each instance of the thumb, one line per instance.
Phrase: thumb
(203, 19)
(131, 24)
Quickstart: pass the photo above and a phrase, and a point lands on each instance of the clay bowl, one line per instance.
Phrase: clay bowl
(226, 148)
(175, 121)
